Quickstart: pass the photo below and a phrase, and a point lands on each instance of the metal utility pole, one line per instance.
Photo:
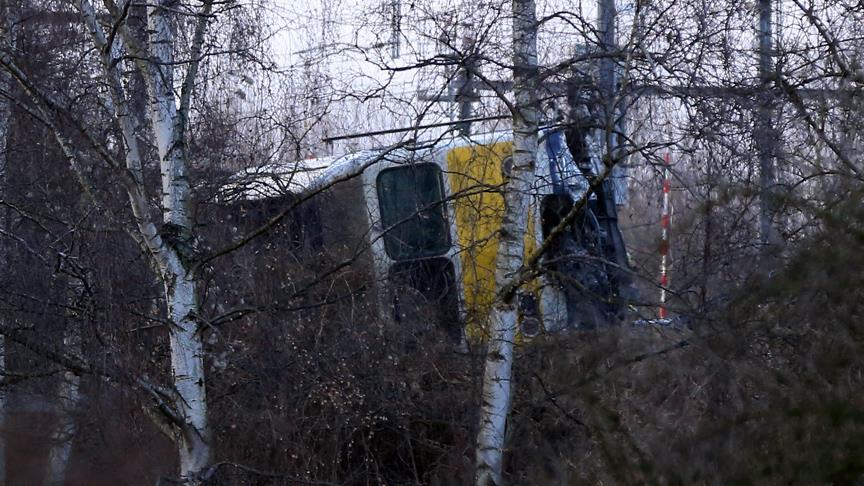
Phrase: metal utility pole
(395, 28)
(462, 89)
(608, 43)
(612, 118)
(465, 95)
(607, 17)
(765, 137)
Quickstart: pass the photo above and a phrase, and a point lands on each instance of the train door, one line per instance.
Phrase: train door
(412, 246)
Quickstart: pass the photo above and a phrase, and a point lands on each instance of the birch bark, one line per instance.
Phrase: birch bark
(181, 286)
(170, 246)
(169, 249)
(497, 384)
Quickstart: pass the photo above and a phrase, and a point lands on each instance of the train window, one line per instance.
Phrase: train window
(412, 211)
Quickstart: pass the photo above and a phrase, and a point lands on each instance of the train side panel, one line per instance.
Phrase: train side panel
(476, 176)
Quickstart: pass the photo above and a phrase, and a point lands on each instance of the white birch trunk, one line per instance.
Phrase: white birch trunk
(181, 287)
(187, 366)
(169, 255)
(504, 319)
(171, 249)
(167, 125)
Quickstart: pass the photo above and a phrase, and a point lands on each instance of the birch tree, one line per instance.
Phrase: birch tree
(497, 377)
(168, 240)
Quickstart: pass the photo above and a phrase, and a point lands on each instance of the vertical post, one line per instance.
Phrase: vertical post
(765, 138)
(709, 234)
(608, 86)
(606, 25)
(612, 191)
(664, 239)
(395, 28)
(465, 92)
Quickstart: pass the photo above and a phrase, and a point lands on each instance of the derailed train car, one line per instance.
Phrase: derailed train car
(421, 222)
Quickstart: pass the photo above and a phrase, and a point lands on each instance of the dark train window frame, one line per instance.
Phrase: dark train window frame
(393, 246)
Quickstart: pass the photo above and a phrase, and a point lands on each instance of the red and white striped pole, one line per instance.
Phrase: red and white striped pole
(664, 242)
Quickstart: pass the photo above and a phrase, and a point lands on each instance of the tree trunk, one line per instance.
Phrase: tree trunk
(182, 411)
(69, 389)
(69, 396)
(181, 285)
(8, 39)
(187, 366)
(504, 319)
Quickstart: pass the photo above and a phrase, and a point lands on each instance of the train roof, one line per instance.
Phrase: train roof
(276, 179)
(280, 179)
(296, 178)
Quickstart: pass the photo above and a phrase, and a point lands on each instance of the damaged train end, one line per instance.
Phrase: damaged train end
(420, 222)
